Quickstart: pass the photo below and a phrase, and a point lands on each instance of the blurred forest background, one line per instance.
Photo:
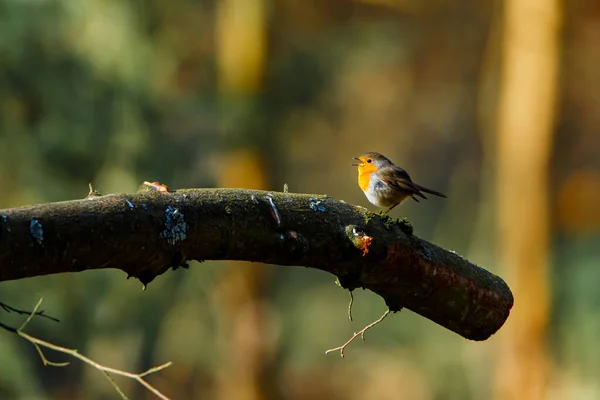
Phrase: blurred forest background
(495, 103)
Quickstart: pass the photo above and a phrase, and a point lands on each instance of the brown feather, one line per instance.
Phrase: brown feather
(400, 180)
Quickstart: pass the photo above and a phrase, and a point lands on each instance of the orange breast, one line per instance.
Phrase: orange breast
(363, 180)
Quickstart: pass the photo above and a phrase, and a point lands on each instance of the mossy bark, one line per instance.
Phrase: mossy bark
(147, 233)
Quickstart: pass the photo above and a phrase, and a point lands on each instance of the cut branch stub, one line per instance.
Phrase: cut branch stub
(147, 233)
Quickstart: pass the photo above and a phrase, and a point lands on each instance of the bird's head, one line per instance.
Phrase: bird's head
(371, 162)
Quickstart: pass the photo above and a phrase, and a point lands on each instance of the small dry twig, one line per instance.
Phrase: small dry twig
(93, 193)
(41, 313)
(360, 333)
(350, 305)
(39, 343)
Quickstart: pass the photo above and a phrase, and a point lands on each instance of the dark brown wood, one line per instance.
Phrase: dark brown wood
(147, 233)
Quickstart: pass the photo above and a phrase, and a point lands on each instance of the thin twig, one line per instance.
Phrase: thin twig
(31, 314)
(39, 343)
(350, 305)
(360, 333)
(93, 193)
(114, 384)
(40, 313)
(8, 328)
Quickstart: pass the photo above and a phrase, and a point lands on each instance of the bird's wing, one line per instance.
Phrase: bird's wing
(400, 180)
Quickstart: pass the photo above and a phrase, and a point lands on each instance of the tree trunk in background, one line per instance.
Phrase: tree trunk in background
(241, 46)
(243, 333)
(530, 51)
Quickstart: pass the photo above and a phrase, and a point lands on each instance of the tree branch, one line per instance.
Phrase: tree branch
(147, 233)
(39, 343)
(41, 313)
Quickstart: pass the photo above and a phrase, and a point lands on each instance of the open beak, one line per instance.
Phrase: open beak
(357, 165)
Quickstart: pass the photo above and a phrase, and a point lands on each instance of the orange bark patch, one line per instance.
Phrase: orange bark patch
(159, 187)
(363, 243)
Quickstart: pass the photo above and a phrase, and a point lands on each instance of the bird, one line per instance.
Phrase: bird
(385, 184)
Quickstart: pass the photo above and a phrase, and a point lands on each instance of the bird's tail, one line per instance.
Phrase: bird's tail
(430, 191)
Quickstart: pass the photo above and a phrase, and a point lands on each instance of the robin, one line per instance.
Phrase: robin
(386, 184)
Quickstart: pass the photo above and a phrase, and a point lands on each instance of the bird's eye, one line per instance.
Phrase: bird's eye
(369, 160)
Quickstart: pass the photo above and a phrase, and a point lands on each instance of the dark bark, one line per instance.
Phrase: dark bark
(147, 233)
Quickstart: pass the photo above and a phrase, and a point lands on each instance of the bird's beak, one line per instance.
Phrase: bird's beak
(357, 159)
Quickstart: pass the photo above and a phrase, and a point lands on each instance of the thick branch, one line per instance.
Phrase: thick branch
(147, 233)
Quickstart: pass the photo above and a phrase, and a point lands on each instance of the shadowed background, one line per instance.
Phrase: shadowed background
(493, 103)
